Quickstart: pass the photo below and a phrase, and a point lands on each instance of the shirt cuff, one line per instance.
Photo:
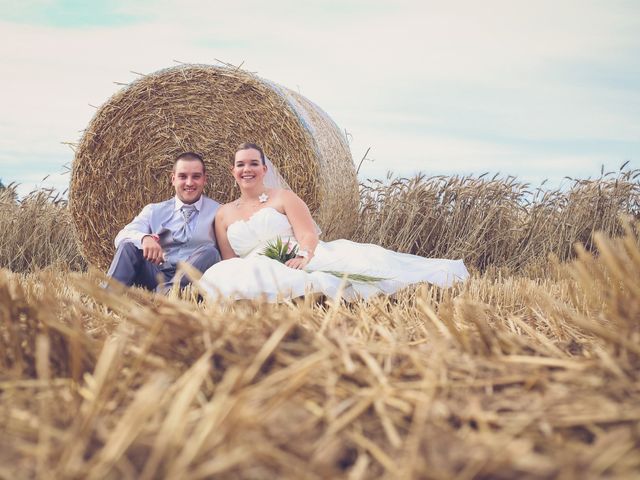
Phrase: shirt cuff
(136, 238)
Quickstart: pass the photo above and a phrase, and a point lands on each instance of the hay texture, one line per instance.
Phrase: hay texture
(125, 156)
(500, 378)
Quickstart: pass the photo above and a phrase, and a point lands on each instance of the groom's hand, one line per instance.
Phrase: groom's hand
(151, 250)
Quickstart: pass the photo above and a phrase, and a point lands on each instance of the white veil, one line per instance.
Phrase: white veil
(273, 179)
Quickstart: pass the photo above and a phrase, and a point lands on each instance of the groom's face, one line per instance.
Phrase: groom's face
(188, 179)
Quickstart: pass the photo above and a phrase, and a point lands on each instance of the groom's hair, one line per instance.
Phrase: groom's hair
(189, 156)
(249, 146)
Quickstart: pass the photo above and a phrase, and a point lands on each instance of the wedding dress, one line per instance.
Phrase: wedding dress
(252, 275)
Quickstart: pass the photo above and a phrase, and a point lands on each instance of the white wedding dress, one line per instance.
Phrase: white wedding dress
(252, 275)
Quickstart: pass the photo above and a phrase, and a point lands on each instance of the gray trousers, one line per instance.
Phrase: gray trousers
(131, 268)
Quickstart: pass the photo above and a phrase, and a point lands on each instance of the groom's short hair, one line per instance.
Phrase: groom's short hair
(189, 156)
(250, 146)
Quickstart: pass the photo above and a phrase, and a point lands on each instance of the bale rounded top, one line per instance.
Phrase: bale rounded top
(125, 157)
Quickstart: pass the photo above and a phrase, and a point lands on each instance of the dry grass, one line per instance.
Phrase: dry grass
(497, 223)
(37, 232)
(508, 376)
(511, 378)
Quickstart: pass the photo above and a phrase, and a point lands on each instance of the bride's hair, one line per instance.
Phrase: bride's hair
(250, 146)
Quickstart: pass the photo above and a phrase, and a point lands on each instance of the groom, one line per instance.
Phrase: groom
(165, 233)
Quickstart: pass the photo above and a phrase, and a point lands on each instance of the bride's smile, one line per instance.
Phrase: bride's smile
(248, 169)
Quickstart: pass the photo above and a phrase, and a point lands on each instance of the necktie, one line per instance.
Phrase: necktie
(183, 234)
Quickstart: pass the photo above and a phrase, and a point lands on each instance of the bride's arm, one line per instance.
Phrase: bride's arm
(220, 226)
(303, 226)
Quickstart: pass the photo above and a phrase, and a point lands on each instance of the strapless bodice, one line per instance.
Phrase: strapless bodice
(249, 237)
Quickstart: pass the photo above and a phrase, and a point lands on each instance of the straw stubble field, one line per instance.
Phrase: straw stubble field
(528, 370)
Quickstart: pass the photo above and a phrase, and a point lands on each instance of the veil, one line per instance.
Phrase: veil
(273, 179)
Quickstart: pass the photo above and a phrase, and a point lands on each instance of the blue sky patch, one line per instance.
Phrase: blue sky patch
(69, 13)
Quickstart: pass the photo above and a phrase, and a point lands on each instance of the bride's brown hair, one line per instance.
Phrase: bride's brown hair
(249, 146)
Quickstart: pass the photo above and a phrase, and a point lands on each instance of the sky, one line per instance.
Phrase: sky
(538, 90)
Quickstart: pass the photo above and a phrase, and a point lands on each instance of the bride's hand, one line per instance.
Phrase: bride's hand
(298, 262)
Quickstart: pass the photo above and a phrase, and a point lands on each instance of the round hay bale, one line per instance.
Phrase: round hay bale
(125, 157)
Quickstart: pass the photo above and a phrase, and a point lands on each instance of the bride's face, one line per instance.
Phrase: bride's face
(248, 169)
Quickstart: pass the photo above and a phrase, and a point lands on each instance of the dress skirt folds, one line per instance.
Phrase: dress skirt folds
(252, 275)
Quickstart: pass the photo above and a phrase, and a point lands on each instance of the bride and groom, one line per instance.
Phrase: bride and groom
(183, 229)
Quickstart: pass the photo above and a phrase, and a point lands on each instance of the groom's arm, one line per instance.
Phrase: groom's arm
(139, 228)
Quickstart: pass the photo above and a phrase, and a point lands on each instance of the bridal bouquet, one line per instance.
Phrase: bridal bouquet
(280, 251)
(285, 251)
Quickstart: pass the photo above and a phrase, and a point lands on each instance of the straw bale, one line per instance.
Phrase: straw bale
(124, 159)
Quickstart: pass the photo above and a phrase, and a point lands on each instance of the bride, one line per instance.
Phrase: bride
(262, 216)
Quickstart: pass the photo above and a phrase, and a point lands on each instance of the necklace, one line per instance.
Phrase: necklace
(262, 198)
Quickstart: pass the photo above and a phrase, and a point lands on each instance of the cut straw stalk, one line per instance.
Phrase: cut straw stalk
(281, 392)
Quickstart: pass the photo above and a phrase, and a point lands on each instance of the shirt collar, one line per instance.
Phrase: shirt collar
(178, 204)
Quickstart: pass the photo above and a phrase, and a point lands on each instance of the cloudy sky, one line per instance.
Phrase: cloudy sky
(543, 89)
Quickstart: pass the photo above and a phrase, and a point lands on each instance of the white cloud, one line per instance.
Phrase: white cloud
(474, 84)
